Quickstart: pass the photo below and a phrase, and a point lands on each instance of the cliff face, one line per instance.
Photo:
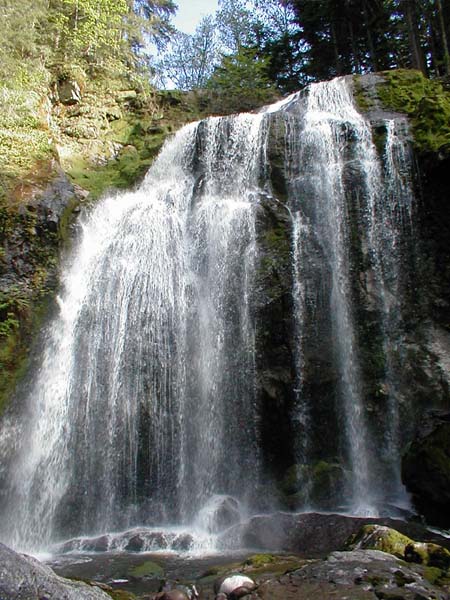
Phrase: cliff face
(403, 355)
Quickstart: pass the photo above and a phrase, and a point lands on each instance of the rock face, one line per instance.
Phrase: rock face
(34, 231)
(419, 349)
(25, 578)
(426, 471)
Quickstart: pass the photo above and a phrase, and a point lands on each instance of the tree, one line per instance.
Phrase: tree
(242, 82)
(280, 39)
(151, 21)
(410, 11)
(191, 59)
(235, 24)
(25, 17)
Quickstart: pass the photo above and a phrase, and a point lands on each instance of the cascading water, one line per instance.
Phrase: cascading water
(148, 371)
(145, 409)
(340, 187)
(319, 200)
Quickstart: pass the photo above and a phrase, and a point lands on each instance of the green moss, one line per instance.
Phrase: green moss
(432, 574)
(147, 569)
(360, 96)
(121, 595)
(424, 101)
(385, 539)
(375, 537)
(260, 560)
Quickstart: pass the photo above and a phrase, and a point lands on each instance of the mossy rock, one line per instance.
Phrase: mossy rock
(385, 539)
(316, 485)
(259, 560)
(147, 569)
(378, 537)
(425, 102)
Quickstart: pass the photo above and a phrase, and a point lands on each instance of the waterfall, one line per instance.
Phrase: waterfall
(144, 411)
(143, 404)
(339, 187)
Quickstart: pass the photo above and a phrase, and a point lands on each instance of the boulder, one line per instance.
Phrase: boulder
(25, 578)
(234, 585)
(386, 539)
(219, 513)
(313, 534)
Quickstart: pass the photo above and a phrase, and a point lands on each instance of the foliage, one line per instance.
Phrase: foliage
(242, 81)
(280, 39)
(94, 34)
(190, 60)
(425, 102)
(356, 36)
(12, 305)
(21, 50)
(236, 26)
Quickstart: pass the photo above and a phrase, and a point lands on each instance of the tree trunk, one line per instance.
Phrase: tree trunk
(444, 38)
(371, 46)
(417, 59)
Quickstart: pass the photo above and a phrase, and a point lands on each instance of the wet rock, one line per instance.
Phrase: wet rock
(313, 534)
(135, 544)
(171, 595)
(359, 574)
(426, 472)
(25, 578)
(176, 591)
(182, 543)
(227, 514)
(219, 513)
(326, 482)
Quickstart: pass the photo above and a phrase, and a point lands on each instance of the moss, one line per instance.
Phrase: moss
(360, 95)
(147, 569)
(121, 595)
(432, 574)
(425, 102)
(385, 539)
(259, 560)
(375, 537)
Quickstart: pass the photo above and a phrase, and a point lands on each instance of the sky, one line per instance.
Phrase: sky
(190, 12)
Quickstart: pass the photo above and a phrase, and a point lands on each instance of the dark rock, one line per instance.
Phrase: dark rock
(135, 543)
(358, 575)
(318, 485)
(69, 92)
(182, 543)
(426, 473)
(313, 534)
(226, 514)
(25, 578)
(171, 595)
